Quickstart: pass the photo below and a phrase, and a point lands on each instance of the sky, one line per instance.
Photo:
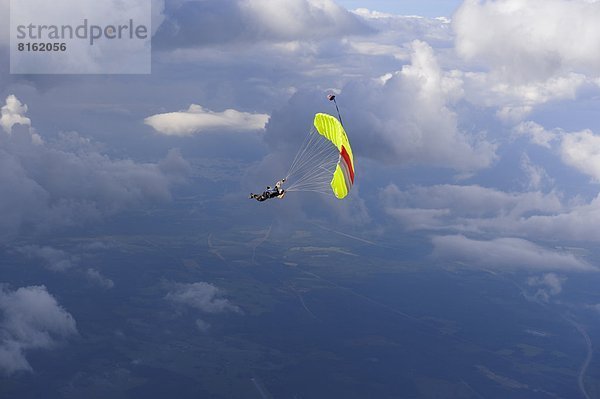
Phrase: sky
(477, 132)
(426, 8)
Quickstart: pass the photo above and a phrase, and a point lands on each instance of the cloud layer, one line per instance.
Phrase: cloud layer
(201, 23)
(505, 254)
(467, 208)
(67, 181)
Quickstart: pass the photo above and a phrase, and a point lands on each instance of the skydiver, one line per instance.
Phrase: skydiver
(270, 192)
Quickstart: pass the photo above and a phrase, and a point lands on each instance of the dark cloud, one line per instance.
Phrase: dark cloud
(212, 22)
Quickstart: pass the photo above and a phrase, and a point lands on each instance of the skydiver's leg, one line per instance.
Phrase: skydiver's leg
(258, 197)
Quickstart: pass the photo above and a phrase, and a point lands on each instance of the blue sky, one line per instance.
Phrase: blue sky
(426, 8)
(478, 135)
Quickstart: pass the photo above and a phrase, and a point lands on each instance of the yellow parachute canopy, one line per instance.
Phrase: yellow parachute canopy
(343, 177)
(324, 163)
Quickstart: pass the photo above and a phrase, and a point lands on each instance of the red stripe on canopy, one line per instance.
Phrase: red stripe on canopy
(346, 158)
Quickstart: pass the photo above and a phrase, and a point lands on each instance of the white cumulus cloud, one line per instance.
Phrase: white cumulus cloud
(409, 117)
(12, 113)
(197, 119)
(581, 150)
(202, 296)
(530, 40)
(527, 53)
(536, 133)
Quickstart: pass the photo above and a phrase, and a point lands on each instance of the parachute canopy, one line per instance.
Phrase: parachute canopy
(324, 162)
(343, 177)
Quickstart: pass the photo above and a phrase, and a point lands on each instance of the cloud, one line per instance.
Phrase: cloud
(409, 117)
(419, 219)
(202, 325)
(516, 100)
(201, 23)
(67, 181)
(475, 209)
(530, 40)
(95, 277)
(548, 285)
(202, 296)
(480, 210)
(580, 222)
(465, 206)
(505, 254)
(53, 259)
(403, 118)
(581, 150)
(197, 119)
(537, 177)
(399, 29)
(31, 319)
(536, 133)
(58, 260)
(175, 166)
(299, 19)
(529, 54)
(13, 113)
